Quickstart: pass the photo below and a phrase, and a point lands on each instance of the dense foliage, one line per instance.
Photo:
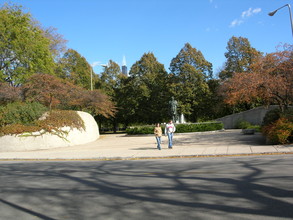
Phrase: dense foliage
(278, 126)
(148, 88)
(21, 113)
(24, 48)
(240, 55)
(50, 122)
(189, 81)
(269, 82)
(54, 92)
(75, 69)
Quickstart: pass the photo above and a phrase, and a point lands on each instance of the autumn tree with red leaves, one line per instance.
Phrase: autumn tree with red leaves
(9, 93)
(269, 82)
(54, 92)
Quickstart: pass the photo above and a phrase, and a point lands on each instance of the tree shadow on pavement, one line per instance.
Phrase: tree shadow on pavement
(220, 139)
(153, 189)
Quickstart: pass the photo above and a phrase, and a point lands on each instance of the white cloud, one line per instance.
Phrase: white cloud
(250, 12)
(236, 22)
(257, 10)
(244, 15)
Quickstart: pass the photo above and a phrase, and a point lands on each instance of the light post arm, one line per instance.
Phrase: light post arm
(290, 13)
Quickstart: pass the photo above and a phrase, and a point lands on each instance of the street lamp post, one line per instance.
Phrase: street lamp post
(274, 12)
(92, 79)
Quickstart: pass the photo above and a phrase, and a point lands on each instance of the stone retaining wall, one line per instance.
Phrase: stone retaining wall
(254, 116)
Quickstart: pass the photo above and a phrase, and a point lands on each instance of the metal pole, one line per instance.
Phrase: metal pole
(290, 13)
(92, 79)
(291, 18)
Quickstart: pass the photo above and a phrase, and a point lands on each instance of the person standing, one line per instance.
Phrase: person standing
(169, 130)
(158, 135)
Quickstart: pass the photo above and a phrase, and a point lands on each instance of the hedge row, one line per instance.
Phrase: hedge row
(180, 128)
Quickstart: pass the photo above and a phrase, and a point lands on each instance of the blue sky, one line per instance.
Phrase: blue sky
(101, 30)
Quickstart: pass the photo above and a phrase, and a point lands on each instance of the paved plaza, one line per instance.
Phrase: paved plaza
(123, 146)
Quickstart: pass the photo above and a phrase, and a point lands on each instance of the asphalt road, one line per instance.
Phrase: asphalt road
(253, 187)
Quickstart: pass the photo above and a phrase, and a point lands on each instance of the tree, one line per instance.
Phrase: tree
(94, 102)
(57, 42)
(240, 55)
(9, 93)
(190, 71)
(54, 92)
(110, 82)
(46, 89)
(192, 57)
(24, 49)
(147, 90)
(109, 79)
(75, 68)
(269, 82)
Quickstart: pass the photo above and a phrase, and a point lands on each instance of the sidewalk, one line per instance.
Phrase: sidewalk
(122, 146)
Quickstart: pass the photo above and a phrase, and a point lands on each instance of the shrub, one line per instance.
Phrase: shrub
(180, 128)
(279, 132)
(271, 116)
(197, 127)
(243, 124)
(52, 123)
(23, 113)
(278, 126)
(147, 129)
(255, 127)
(247, 125)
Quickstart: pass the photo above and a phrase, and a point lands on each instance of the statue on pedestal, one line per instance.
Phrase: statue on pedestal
(173, 109)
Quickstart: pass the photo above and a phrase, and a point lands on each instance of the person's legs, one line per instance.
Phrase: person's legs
(159, 142)
(170, 139)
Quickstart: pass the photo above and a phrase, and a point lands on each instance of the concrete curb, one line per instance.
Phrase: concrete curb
(153, 158)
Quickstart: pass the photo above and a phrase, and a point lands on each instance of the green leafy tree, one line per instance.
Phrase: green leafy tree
(146, 90)
(24, 49)
(109, 78)
(73, 67)
(240, 55)
(110, 82)
(190, 72)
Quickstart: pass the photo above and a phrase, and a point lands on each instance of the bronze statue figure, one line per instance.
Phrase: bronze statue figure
(173, 109)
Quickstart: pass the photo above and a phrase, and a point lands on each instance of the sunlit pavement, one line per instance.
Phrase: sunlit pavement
(122, 146)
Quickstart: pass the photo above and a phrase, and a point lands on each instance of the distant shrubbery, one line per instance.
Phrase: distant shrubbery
(180, 128)
(246, 125)
(278, 126)
(146, 129)
(197, 127)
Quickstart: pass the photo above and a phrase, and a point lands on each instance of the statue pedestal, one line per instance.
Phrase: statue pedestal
(181, 119)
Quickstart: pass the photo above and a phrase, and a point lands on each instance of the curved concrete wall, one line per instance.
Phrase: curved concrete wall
(47, 141)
